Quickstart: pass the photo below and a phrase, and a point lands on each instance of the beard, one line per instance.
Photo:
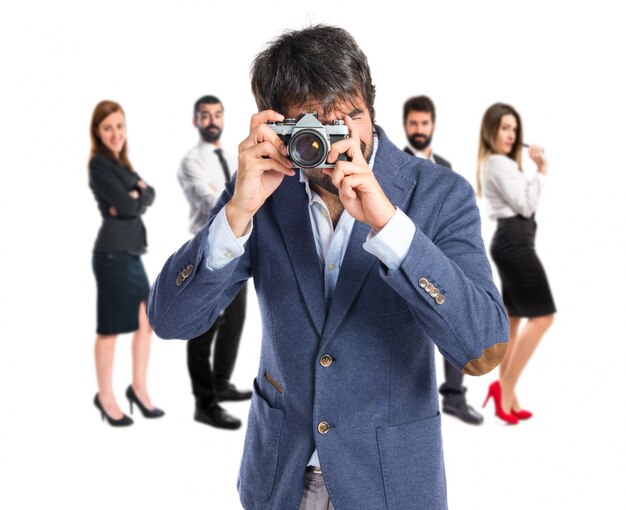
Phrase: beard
(420, 142)
(319, 179)
(210, 134)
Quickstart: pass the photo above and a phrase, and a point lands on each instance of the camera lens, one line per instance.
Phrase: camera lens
(307, 149)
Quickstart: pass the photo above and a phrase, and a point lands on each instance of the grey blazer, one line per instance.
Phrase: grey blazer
(356, 382)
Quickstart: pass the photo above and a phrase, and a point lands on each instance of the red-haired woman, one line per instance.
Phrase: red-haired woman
(122, 197)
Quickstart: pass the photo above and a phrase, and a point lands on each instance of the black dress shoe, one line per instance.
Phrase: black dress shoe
(216, 416)
(124, 421)
(132, 397)
(463, 411)
(231, 393)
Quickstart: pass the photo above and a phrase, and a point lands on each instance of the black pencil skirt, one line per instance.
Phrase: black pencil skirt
(525, 288)
(122, 285)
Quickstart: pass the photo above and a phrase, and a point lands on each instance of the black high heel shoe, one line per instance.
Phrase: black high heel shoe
(147, 413)
(122, 422)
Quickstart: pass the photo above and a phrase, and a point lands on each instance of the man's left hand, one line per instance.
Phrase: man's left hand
(359, 190)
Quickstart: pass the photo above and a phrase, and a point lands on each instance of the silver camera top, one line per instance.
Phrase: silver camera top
(308, 141)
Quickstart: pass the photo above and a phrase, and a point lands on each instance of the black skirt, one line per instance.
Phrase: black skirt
(525, 288)
(122, 285)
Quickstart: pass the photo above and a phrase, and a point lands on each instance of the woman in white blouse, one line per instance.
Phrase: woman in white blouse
(512, 200)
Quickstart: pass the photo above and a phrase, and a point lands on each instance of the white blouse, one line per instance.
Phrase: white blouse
(507, 191)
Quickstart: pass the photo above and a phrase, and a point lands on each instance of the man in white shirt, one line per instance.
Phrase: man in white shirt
(419, 126)
(202, 175)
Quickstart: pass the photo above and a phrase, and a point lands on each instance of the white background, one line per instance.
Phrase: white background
(559, 64)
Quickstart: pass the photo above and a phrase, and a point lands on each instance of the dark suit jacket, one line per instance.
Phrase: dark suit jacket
(110, 183)
(377, 388)
(438, 159)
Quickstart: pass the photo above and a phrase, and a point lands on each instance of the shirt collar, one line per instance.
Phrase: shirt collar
(207, 145)
(422, 154)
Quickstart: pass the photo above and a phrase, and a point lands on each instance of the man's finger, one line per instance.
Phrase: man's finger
(260, 134)
(351, 146)
(267, 150)
(357, 155)
(264, 117)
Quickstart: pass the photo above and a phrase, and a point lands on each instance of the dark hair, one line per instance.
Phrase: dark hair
(205, 100)
(489, 134)
(102, 110)
(419, 104)
(320, 62)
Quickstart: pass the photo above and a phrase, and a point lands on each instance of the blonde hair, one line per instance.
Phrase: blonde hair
(489, 134)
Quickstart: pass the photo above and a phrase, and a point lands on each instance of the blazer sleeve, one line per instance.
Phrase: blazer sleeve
(187, 296)
(448, 285)
(113, 190)
(146, 196)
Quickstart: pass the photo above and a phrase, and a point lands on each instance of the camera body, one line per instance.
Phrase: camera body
(308, 141)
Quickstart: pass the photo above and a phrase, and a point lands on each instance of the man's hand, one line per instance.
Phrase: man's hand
(359, 190)
(262, 166)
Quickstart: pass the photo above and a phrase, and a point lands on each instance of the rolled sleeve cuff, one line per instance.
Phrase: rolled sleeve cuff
(391, 244)
(222, 246)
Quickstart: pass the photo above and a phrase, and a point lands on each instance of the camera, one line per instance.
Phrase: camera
(308, 141)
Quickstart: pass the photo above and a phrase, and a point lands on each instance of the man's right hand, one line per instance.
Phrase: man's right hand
(262, 166)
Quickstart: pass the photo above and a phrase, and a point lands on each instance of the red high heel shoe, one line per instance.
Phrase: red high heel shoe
(495, 392)
(522, 414)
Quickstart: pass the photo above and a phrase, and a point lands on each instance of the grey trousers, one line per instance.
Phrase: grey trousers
(315, 495)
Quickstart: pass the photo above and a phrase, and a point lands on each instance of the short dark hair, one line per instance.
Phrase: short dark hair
(321, 62)
(205, 100)
(419, 104)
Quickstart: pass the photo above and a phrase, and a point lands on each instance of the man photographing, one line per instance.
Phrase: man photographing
(360, 270)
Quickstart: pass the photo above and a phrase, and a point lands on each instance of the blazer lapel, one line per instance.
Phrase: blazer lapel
(357, 263)
(354, 268)
(292, 214)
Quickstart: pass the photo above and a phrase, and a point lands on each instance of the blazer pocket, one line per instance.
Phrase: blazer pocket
(411, 459)
(260, 452)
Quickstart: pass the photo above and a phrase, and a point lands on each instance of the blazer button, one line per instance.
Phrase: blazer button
(423, 282)
(179, 280)
(188, 270)
(429, 287)
(434, 293)
(440, 299)
(323, 427)
(326, 360)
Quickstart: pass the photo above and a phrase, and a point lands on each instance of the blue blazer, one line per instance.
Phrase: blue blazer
(357, 382)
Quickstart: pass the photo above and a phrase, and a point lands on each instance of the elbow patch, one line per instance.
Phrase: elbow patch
(491, 358)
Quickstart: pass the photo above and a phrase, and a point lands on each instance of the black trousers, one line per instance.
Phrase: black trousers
(207, 378)
(452, 389)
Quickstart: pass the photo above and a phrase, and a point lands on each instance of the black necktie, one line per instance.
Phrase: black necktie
(223, 163)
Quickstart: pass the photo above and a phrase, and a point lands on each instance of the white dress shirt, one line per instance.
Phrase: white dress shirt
(201, 176)
(390, 245)
(422, 154)
(507, 190)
